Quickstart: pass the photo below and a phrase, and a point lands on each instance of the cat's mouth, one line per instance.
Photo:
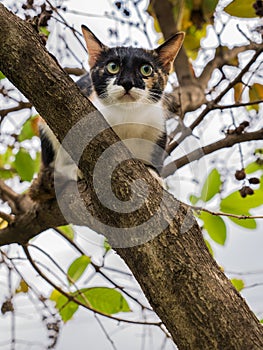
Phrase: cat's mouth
(127, 97)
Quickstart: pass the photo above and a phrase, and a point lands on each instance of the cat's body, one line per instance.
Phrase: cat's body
(127, 87)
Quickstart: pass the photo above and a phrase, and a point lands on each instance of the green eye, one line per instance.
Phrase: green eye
(146, 70)
(113, 68)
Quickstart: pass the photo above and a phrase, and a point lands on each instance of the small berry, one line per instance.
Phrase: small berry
(254, 180)
(243, 192)
(240, 174)
(249, 190)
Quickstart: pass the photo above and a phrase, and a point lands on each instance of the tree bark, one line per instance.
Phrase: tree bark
(168, 256)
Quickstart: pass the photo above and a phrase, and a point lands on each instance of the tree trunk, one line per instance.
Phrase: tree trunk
(160, 242)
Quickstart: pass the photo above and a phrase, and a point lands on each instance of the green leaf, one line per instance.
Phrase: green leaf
(193, 199)
(215, 227)
(77, 268)
(37, 162)
(209, 247)
(28, 130)
(211, 186)
(193, 39)
(208, 7)
(106, 300)
(238, 284)
(241, 8)
(261, 321)
(6, 174)
(6, 158)
(253, 167)
(107, 246)
(24, 165)
(2, 76)
(44, 30)
(65, 307)
(68, 231)
(235, 204)
(246, 223)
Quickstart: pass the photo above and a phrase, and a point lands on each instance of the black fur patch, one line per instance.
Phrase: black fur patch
(47, 153)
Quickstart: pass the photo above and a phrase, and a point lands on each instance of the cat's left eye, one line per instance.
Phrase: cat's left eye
(146, 70)
(113, 67)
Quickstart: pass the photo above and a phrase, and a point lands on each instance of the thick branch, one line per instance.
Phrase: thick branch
(199, 153)
(196, 302)
(164, 14)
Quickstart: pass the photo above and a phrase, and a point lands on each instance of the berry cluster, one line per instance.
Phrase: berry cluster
(246, 190)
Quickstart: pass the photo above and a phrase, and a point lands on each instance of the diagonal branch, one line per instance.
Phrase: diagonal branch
(21, 105)
(210, 106)
(221, 58)
(199, 153)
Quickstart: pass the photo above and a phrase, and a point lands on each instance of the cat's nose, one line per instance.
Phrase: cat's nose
(127, 84)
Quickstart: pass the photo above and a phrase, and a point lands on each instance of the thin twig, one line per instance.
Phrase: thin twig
(220, 213)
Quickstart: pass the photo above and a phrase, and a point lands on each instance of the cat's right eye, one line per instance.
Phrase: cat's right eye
(113, 67)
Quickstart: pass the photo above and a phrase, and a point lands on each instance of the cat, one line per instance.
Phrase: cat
(126, 84)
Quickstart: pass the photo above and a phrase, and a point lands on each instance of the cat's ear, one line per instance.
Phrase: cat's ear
(94, 45)
(169, 50)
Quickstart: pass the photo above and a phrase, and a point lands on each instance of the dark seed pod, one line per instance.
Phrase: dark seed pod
(249, 190)
(118, 4)
(126, 12)
(243, 192)
(254, 180)
(240, 174)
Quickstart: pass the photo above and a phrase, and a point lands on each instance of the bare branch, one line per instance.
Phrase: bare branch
(210, 105)
(236, 105)
(75, 71)
(220, 213)
(21, 105)
(221, 58)
(199, 153)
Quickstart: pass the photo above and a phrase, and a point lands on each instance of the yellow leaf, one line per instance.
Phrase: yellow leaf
(3, 224)
(241, 8)
(256, 94)
(238, 89)
(23, 287)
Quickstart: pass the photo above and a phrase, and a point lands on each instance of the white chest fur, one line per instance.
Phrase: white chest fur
(139, 125)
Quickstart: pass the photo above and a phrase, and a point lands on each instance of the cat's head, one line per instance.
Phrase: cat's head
(128, 74)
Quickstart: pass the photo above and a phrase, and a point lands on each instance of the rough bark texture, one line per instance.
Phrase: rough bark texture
(197, 303)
